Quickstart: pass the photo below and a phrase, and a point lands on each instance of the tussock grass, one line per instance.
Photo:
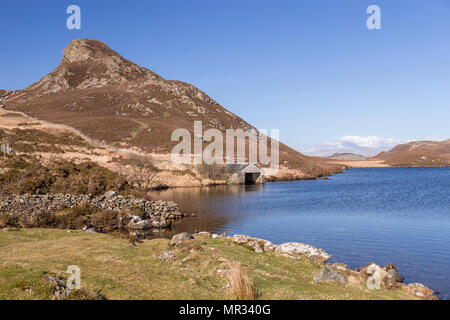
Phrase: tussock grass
(242, 288)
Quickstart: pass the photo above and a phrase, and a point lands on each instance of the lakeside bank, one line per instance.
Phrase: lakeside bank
(113, 268)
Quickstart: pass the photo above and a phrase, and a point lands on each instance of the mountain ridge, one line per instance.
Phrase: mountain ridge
(417, 154)
(115, 101)
(347, 156)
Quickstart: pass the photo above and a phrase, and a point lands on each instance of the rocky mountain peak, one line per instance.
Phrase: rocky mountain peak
(91, 64)
(82, 50)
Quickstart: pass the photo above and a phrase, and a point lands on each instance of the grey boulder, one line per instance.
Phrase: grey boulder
(180, 238)
(329, 274)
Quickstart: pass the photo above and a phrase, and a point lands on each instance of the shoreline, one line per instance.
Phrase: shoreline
(366, 164)
(193, 267)
(388, 276)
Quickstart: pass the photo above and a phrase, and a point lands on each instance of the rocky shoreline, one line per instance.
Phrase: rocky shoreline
(374, 275)
(138, 216)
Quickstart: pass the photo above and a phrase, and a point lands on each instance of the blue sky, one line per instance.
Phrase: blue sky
(308, 67)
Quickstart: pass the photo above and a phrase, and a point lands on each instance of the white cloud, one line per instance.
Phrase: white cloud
(368, 142)
(366, 146)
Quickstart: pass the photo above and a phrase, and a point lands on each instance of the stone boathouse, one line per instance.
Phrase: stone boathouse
(245, 173)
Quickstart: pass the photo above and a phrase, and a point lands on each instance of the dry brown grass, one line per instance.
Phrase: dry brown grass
(363, 163)
(242, 288)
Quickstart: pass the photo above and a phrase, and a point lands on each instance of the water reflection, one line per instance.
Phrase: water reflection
(215, 207)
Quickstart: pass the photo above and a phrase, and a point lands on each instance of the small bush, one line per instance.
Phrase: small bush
(105, 221)
(213, 172)
(8, 221)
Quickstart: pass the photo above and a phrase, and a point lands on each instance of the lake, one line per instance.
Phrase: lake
(381, 215)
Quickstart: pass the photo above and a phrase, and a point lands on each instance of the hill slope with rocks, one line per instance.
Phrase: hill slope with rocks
(418, 154)
(119, 103)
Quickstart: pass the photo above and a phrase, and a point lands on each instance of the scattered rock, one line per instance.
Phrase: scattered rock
(372, 269)
(240, 239)
(311, 252)
(256, 245)
(60, 290)
(419, 290)
(161, 223)
(203, 235)
(89, 230)
(223, 273)
(393, 276)
(330, 274)
(339, 266)
(259, 245)
(140, 225)
(167, 255)
(110, 194)
(180, 238)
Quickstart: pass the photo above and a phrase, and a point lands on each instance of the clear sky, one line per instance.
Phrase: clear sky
(308, 67)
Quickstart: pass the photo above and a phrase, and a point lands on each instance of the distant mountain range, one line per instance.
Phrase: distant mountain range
(417, 154)
(347, 156)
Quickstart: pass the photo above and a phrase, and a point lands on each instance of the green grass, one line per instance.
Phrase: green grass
(116, 269)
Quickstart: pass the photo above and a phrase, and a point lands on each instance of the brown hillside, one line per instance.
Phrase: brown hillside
(418, 154)
(113, 100)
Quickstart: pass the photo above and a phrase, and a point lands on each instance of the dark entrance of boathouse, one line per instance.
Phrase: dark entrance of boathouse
(246, 174)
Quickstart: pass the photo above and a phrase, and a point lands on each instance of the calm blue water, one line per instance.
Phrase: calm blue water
(384, 215)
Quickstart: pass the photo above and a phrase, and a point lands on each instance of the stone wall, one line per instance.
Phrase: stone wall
(152, 214)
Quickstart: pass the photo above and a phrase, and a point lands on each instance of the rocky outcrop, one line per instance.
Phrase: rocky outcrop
(393, 277)
(305, 249)
(60, 290)
(419, 290)
(259, 245)
(390, 278)
(180, 238)
(372, 274)
(330, 274)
